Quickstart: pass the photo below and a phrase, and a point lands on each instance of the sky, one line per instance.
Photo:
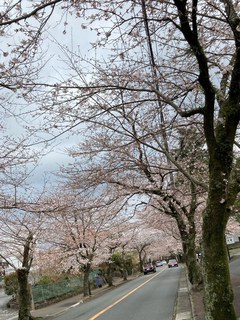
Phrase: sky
(78, 39)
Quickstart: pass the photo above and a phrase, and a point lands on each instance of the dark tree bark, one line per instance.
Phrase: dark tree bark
(188, 238)
(141, 255)
(220, 137)
(86, 284)
(109, 274)
(24, 295)
(215, 256)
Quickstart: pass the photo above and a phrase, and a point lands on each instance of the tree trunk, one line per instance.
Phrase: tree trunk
(125, 274)
(218, 293)
(124, 270)
(140, 261)
(109, 275)
(188, 239)
(24, 295)
(193, 267)
(86, 285)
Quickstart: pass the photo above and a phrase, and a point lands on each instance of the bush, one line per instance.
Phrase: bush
(11, 284)
(124, 263)
(66, 286)
(52, 278)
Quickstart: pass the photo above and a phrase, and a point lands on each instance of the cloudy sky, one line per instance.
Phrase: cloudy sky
(79, 40)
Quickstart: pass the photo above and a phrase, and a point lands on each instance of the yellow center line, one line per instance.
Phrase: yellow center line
(124, 297)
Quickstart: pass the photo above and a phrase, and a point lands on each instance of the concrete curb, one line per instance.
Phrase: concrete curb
(184, 308)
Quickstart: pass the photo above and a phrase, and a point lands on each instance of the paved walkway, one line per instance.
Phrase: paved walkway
(5, 313)
(197, 296)
(3, 298)
(184, 307)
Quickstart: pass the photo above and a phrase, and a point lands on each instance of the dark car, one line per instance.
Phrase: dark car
(149, 267)
(172, 263)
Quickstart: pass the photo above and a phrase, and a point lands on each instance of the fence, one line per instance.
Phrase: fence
(69, 286)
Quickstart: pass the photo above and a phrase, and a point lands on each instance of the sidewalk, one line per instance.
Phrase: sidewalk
(190, 302)
(184, 305)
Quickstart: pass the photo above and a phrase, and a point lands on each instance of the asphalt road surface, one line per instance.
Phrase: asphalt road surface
(235, 278)
(151, 296)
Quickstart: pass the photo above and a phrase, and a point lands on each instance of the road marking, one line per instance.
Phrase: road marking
(124, 297)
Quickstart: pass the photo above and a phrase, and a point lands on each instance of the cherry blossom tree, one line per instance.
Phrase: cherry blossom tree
(127, 119)
(21, 60)
(233, 226)
(20, 231)
(118, 240)
(137, 165)
(192, 76)
(22, 26)
(140, 243)
(147, 241)
(23, 227)
(166, 229)
(85, 232)
(182, 58)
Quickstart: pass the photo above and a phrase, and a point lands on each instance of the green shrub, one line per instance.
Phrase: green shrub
(126, 262)
(52, 278)
(11, 284)
(58, 277)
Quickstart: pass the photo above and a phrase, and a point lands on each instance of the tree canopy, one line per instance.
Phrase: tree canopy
(155, 104)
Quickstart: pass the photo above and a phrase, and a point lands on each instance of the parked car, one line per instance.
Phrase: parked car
(172, 263)
(149, 267)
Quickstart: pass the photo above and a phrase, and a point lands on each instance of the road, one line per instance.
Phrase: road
(148, 297)
(235, 278)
